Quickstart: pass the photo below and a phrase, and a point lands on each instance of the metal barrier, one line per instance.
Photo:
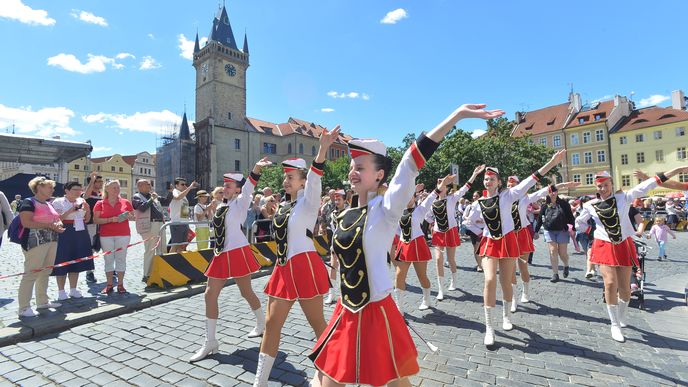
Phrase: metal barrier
(251, 233)
(163, 234)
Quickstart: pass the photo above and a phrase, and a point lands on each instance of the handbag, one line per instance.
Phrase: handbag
(95, 246)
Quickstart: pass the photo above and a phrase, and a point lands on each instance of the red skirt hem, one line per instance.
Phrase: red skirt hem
(304, 276)
(506, 247)
(370, 347)
(415, 251)
(235, 263)
(525, 241)
(607, 253)
(450, 238)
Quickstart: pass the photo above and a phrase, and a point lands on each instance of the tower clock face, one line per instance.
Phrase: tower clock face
(204, 69)
(230, 69)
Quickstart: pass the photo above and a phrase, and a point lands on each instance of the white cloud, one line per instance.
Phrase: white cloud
(151, 122)
(186, 46)
(327, 110)
(653, 100)
(101, 149)
(95, 63)
(151, 36)
(45, 122)
(149, 63)
(16, 10)
(350, 95)
(393, 17)
(478, 132)
(89, 18)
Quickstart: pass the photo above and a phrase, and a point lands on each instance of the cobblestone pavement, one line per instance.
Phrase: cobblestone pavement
(560, 338)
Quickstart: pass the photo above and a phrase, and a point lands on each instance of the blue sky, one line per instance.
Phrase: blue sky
(113, 71)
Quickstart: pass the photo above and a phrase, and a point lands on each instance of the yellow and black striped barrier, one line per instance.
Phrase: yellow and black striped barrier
(178, 269)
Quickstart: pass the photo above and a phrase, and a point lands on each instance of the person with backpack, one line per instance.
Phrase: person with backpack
(555, 216)
(38, 234)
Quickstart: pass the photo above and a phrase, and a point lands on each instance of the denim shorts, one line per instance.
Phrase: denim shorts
(560, 237)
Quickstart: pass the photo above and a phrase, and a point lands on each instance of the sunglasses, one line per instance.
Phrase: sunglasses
(183, 184)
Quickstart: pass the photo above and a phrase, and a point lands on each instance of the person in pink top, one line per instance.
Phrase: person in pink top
(112, 214)
(661, 231)
(41, 225)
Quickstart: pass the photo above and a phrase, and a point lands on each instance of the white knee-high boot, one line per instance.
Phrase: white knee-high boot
(489, 330)
(211, 345)
(425, 304)
(440, 290)
(613, 311)
(260, 323)
(506, 313)
(525, 297)
(265, 362)
(452, 281)
(623, 313)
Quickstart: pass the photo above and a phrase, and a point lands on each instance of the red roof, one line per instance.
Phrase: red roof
(293, 126)
(585, 117)
(652, 116)
(549, 119)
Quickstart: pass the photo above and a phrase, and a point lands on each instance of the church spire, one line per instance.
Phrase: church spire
(197, 46)
(184, 132)
(245, 50)
(222, 30)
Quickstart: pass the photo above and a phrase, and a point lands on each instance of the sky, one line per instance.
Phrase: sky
(119, 73)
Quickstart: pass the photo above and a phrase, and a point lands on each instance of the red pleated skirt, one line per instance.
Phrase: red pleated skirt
(370, 347)
(304, 276)
(396, 240)
(506, 247)
(450, 238)
(235, 263)
(415, 251)
(607, 253)
(525, 241)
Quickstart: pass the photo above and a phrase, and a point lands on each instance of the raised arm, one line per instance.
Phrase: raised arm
(426, 205)
(672, 184)
(245, 198)
(313, 189)
(517, 192)
(464, 188)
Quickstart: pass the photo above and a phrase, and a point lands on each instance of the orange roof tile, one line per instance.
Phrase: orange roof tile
(543, 120)
(652, 116)
(588, 115)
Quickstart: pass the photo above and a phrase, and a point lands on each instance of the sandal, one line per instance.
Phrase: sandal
(121, 289)
(107, 290)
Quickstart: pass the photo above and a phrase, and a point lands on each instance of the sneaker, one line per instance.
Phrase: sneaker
(91, 278)
(27, 312)
(566, 272)
(50, 304)
(75, 293)
(107, 290)
(555, 278)
(62, 295)
(589, 274)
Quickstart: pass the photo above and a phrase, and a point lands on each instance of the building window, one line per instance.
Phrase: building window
(237, 165)
(300, 149)
(121, 169)
(601, 156)
(269, 148)
(124, 183)
(640, 157)
(543, 141)
(624, 159)
(586, 137)
(85, 167)
(112, 169)
(623, 140)
(576, 178)
(680, 132)
(98, 167)
(229, 116)
(289, 148)
(599, 116)
(626, 180)
(599, 135)
(76, 166)
(681, 153)
(332, 153)
(575, 159)
(639, 137)
(574, 138)
(587, 157)
(588, 178)
(657, 134)
(313, 151)
(556, 140)
(683, 177)
(237, 144)
(659, 155)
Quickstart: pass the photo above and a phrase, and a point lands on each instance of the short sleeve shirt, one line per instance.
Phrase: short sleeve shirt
(108, 211)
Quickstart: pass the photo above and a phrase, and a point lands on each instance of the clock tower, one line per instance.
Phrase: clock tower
(220, 101)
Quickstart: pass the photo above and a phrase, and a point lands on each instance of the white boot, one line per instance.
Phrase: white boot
(211, 345)
(452, 281)
(330, 297)
(425, 304)
(613, 311)
(440, 291)
(399, 298)
(513, 303)
(263, 370)
(489, 330)
(524, 296)
(623, 313)
(506, 312)
(260, 323)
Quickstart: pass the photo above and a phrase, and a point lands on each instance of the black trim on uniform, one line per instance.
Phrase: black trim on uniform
(426, 146)
(255, 176)
(320, 166)
(662, 176)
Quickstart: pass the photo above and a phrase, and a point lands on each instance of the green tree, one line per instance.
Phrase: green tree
(336, 172)
(271, 176)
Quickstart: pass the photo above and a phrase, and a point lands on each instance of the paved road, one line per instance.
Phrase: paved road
(561, 338)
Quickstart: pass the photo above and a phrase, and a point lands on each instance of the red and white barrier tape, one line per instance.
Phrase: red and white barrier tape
(90, 257)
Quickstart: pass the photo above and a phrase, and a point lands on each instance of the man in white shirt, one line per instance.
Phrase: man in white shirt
(179, 211)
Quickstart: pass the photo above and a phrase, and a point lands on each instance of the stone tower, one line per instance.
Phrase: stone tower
(220, 101)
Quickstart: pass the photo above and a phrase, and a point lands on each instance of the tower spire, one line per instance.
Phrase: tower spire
(245, 50)
(197, 46)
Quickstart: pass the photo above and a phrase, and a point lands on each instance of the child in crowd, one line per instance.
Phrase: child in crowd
(660, 231)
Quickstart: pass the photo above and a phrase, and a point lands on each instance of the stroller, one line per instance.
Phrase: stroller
(638, 273)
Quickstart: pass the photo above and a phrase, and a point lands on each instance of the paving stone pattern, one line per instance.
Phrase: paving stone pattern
(561, 338)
